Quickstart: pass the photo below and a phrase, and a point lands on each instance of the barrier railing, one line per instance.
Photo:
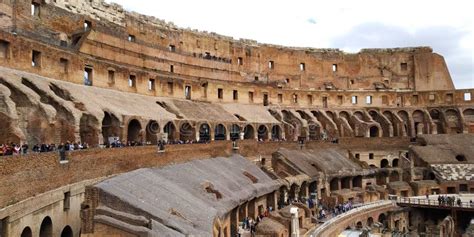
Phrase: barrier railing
(348, 215)
(434, 203)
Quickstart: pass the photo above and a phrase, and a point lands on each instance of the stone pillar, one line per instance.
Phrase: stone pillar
(339, 186)
(295, 225)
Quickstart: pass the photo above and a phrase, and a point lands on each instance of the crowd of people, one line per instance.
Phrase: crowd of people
(13, 149)
(444, 200)
(326, 211)
(250, 225)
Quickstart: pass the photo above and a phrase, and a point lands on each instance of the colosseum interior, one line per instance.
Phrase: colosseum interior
(120, 124)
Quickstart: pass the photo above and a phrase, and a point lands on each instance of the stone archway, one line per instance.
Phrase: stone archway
(204, 132)
(133, 131)
(249, 132)
(46, 228)
(395, 162)
(276, 133)
(374, 131)
(453, 121)
(234, 132)
(384, 163)
(170, 130)
(26, 232)
(111, 131)
(67, 232)
(152, 131)
(262, 133)
(186, 132)
(88, 130)
(220, 132)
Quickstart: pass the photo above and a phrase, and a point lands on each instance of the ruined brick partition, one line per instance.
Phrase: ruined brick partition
(87, 70)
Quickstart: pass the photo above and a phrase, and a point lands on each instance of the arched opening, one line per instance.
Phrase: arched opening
(453, 121)
(346, 183)
(276, 133)
(204, 132)
(220, 132)
(170, 131)
(334, 184)
(152, 130)
(395, 163)
(345, 115)
(419, 119)
(46, 228)
(186, 132)
(370, 221)
(249, 132)
(382, 219)
(406, 123)
(381, 178)
(359, 115)
(88, 130)
(394, 176)
(461, 158)
(374, 131)
(234, 132)
(359, 225)
(293, 192)
(357, 181)
(469, 119)
(67, 232)
(436, 117)
(26, 232)
(111, 132)
(262, 133)
(314, 131)
(133, 134)
(283, 196)
(384, 163)
(303, 190)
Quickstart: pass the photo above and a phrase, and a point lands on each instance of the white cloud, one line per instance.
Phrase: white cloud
(320, 24)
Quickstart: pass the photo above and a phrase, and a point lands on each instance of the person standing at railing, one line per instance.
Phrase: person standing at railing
(459, 202)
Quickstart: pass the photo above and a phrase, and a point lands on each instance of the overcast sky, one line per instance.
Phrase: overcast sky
(446, 26)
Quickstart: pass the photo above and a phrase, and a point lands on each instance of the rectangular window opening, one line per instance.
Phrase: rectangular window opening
(467, 96)
(111, 77)
(371, 156)
(220, 93)
(35, 9)
(310, 99)
(415, 99)
(171, 68)
(403, 66)
(240, 61)
(64, 63)
(302, 67)
(280, 98)
(368, 99)
(334, 67)
(325, 101)
(295, 99)
(256, 78)
(340, 99)
(354, 100)
(271, 65)
(151, 84)
(131, 38)
(265, 99)
(235, 94)
(132, 81)
(432, 97)
(449, 97)
(172, 48)
(250, 96)
(88, 74)
(87, 25)
(187, 92)
(4, 48)
(67, 201)
(36, 59)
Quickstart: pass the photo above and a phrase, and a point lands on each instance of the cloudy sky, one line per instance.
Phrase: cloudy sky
(446, 26)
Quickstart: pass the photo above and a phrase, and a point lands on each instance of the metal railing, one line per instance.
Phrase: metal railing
(434, 203)
(348, 215)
